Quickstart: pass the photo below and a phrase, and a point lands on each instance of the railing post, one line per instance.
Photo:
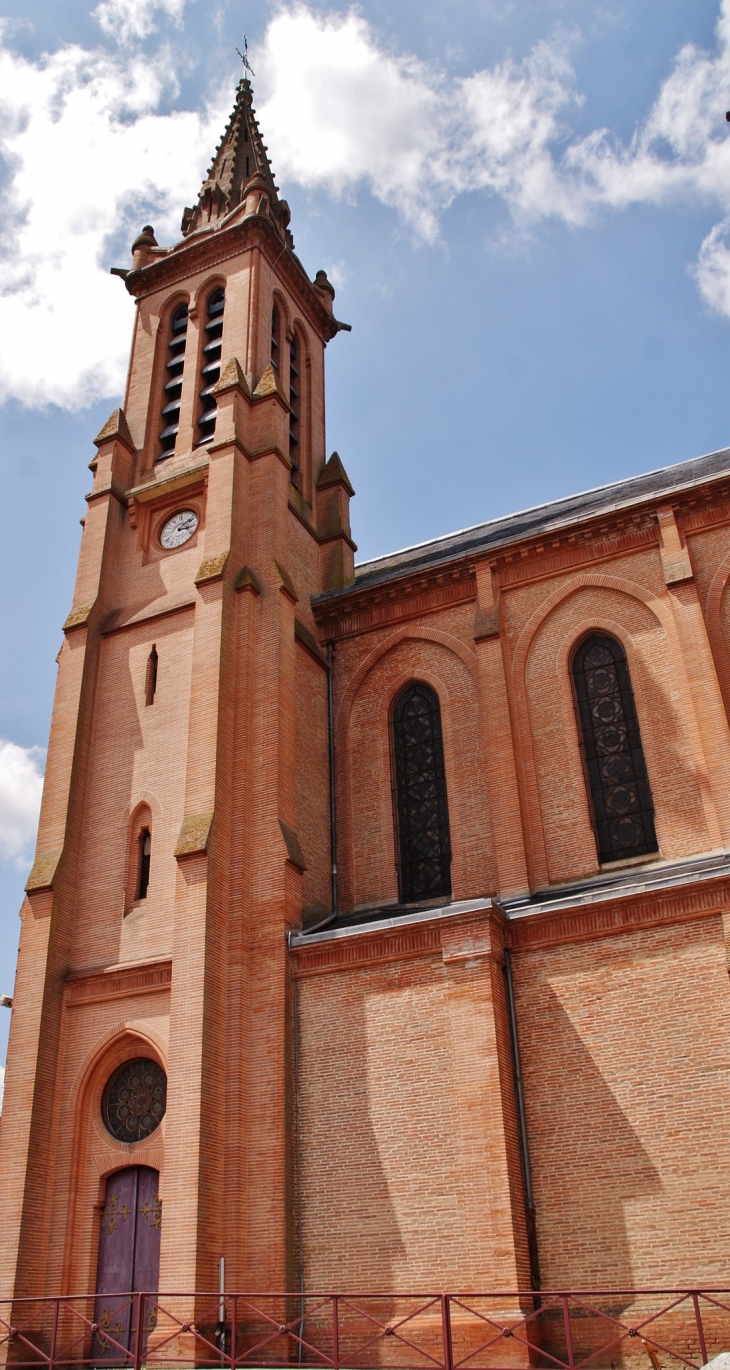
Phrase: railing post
(234, 1322)
(446, 1331)
(138, 1332)
(335, 1333)
(700, 1329)
(54, 1334)
(568, 1331)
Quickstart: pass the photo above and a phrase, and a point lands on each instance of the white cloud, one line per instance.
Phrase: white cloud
(91, 157)
(338, 111)
(126, 20)
(21, 786)
(341, 112)
(88, 156)
(712, 269)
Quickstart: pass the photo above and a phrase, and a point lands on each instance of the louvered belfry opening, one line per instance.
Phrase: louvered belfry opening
(422, 811)
(211, 367)
(172, 389)
(618, 785)
(294, 399)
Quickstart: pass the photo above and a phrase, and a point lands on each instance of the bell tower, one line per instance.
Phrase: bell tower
(184, 826)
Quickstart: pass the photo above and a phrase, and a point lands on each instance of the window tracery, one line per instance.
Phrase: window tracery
(421, 802)
(618, 785)
(135, 1100)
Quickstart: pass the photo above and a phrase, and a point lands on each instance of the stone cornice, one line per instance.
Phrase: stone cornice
(43, 870)
(551, 556)
(654, 908)
(486, 931)
(305, 520)
(251, 454)
(394, 945)
(456, 936)
(206, 250)
(701, 498)
(170, 479)
(103, 491)
(309, 643)
(707, 511)
(194, 834)
(117, 982)
(145, 615)
(79, 616)
(358, 611)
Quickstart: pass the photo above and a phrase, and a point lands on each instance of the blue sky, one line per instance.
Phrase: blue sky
(524, 206)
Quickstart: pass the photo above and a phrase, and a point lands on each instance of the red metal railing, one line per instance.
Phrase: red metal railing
(555, 1330)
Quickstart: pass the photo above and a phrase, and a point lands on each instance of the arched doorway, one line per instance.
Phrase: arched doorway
(129, 1259)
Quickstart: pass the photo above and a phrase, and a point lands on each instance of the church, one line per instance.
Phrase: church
(378, 932)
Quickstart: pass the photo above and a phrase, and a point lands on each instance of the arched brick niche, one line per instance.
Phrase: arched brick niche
(94, 1153)
(555, 779)
(369, 840)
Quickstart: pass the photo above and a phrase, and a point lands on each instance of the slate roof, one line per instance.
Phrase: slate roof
(543, 518)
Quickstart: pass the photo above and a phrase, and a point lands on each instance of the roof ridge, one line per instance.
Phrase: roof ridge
(565, 500)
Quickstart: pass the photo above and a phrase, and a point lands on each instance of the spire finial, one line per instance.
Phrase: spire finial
(241, 159)
(244, 57)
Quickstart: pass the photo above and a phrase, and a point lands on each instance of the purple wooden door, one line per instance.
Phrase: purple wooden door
(129, 1260)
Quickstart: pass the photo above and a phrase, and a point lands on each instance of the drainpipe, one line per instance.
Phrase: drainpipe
(297, 1147)
(333, 804)
(522, 1123)
(325, 922)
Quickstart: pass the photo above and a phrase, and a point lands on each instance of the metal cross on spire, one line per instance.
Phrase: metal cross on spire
(244, 56)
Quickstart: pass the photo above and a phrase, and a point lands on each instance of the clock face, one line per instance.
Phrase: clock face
(179, 528)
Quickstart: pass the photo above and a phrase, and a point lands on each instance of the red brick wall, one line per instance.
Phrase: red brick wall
(407, 1128)
(408, 1145)
(369, 673)
(312, 785)
(625, 1057)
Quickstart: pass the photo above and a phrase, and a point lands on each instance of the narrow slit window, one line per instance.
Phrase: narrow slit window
(275, 328)
(150, 685)
(172, 387)
(422, 812)
(621, 804)
(294, 398)
(211, 367)
(145, 853)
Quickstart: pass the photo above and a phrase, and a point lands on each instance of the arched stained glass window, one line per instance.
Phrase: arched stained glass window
(618, 785)
(421, 805)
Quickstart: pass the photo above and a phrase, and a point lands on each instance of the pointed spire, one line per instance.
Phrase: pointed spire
(240, 156)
